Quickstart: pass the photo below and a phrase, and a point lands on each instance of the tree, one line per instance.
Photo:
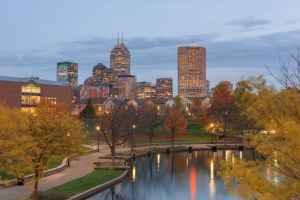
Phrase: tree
(15, 159)
(53, 132)
(277, 174)
(89, 111)
(113, 126)
(175, 122)
(223, 105)
(89, 118)
(199, 113)
(149, 118)
(288, 74)
(243, 94)
(29, 140)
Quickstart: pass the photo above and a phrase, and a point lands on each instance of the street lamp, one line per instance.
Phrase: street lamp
(211, 133)
(132, 137)
(225, 126)
(68, 135)
(98, 138)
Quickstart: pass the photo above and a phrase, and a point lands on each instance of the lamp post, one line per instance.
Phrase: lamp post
(132, 137)
(211, 127)
(98, 138)
(225, 126)
(68, 135)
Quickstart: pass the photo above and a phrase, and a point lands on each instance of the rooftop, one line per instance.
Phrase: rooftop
(33, 78)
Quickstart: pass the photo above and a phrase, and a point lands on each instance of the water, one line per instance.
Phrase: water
(178, 176)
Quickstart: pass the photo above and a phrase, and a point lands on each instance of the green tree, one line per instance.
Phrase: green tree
(243, 94)
(89, 111)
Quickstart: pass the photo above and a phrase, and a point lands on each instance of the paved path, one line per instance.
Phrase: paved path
(79, 168)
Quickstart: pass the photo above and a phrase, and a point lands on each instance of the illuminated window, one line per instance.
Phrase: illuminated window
(31, 89)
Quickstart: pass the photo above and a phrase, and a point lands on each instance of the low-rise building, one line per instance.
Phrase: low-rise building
(26, 93)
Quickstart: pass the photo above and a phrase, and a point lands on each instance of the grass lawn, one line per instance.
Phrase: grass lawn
(71, 188)
(194, 133)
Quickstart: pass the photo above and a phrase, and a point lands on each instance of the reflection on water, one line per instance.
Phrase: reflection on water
(212, 188)
(178, 176)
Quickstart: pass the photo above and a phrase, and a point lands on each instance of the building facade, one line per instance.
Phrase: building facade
(120, 59)
(26, 93)
(67, 73)
(146, 90)
(125, 87)
(192, 72)
(164, 88)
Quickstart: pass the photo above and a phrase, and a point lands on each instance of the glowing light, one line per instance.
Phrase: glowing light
(158, 161)
(212, 186)
(133, 174)
(241, 155)
(193, 183)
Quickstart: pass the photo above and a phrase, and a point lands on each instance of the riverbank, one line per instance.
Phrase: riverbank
(65, 191)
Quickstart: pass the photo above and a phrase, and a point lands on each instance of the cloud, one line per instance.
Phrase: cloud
(249, 22)
(157, 56)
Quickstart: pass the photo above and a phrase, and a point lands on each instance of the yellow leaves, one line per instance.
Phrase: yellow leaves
(28, 141)
(277, 175)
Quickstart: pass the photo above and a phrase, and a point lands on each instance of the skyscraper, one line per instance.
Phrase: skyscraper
(192, 72)
(120, 59)
(67, 73)
(164, 88)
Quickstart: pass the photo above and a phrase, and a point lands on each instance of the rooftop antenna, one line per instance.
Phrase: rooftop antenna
(122, 37)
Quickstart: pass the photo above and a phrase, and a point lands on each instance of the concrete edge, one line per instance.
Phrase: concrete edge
(49, 172)
(100, 188)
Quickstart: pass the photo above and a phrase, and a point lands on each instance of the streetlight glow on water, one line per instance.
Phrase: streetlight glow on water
(175, 176)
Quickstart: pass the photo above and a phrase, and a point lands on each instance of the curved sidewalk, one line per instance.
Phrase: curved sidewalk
(81, 167)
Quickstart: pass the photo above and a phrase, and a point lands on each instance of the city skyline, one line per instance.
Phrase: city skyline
(239, 44)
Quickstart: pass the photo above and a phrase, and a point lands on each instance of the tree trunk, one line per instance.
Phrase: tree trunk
(173, 139)
(113, 147)
(113, 152)
(36, 185)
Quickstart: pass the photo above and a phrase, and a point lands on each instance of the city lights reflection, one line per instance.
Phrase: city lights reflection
(133, 174)
(158, 161)
(212, 186)
(193, 182)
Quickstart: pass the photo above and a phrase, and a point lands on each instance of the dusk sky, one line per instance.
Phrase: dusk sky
(242, 37)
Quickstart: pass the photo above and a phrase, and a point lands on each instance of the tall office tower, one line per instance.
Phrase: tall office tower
(125, 87)
(120, 59)
(67, 73)
(98, 71)
(164, 88)
(191, 72)
(146, 90)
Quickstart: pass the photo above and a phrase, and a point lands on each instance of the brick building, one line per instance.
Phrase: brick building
(26, 93)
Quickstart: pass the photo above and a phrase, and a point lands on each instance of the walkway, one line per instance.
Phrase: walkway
(79, 168)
